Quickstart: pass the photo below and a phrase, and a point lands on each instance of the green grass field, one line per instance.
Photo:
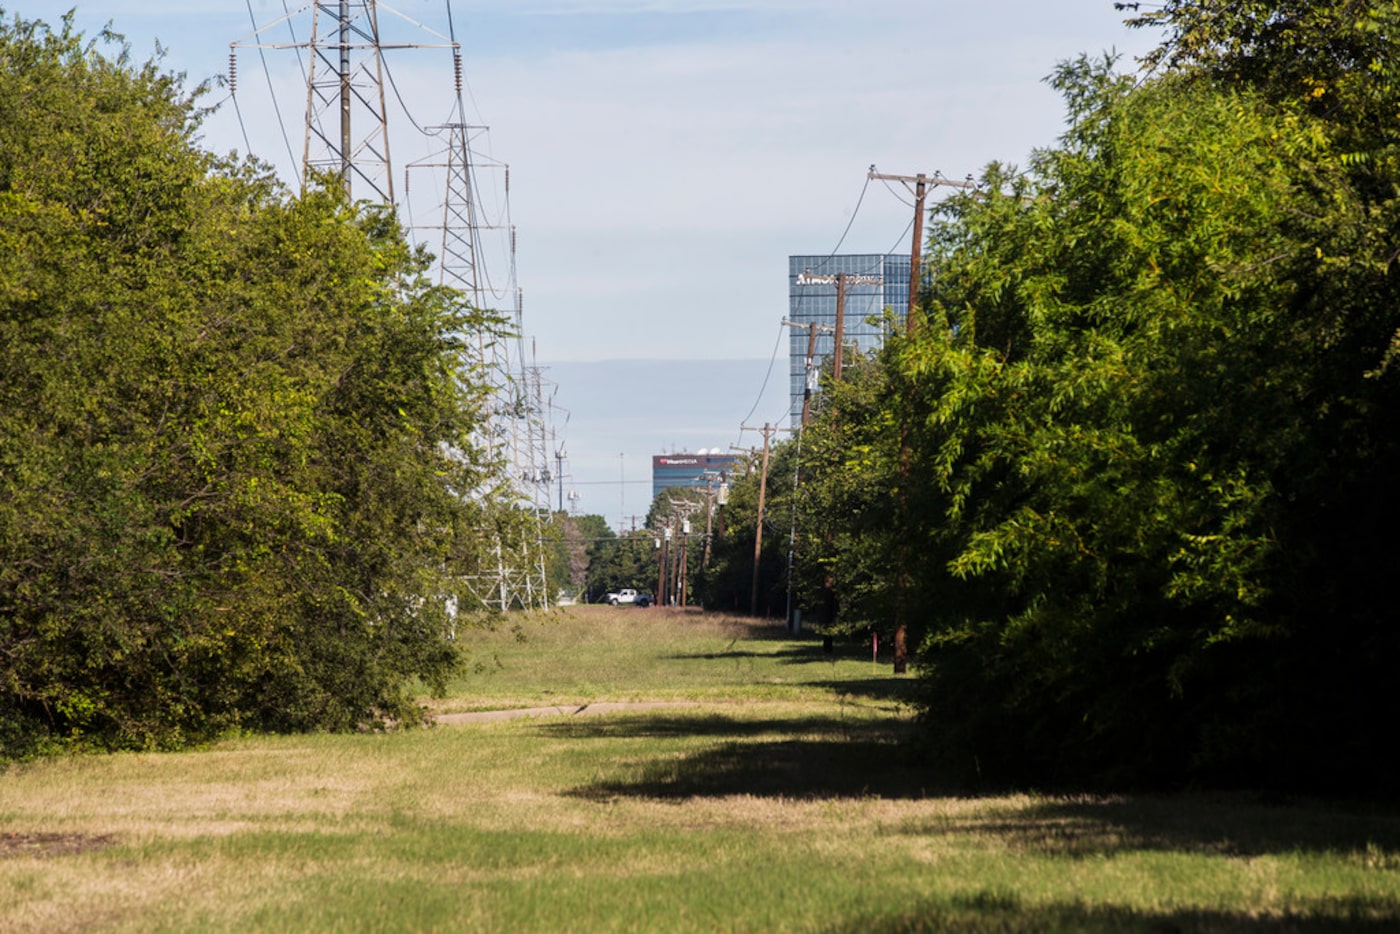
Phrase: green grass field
(771, 795)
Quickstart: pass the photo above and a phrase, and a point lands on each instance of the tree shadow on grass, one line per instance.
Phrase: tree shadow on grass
(886, 690)
(1006, 914)
(826, 757)
(1220, 824)
(879, 687)
(791, 655)
(670, 726)
(662, 726)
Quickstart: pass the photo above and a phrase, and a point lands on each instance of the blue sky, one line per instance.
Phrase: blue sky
(666, 156)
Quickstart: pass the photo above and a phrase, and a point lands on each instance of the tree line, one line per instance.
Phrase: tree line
(238, 488)
(1129, 486)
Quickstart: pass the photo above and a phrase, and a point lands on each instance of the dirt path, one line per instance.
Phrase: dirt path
(587, 710)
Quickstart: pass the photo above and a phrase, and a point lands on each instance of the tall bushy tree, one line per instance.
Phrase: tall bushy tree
(847, 496)
(727, 583)
(569, 540)
(1153, 399)
(234, 428)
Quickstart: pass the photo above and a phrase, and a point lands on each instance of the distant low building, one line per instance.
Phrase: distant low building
(696, 471)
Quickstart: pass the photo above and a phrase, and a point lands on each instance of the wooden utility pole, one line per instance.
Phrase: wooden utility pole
(683, 570)
(812, 329)
(664, 544)
(709, 521)
(677, 559)
(921, 183)
(758, 525)
(768, 431)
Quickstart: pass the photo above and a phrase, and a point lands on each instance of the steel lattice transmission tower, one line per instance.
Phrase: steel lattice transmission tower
(337, 83)
(346, 127)
(514, 430)
(346, 132)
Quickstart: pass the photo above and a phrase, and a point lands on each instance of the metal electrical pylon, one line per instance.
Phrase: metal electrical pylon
(347, 133)
(346, 130)
(515, 411)
(338, 84)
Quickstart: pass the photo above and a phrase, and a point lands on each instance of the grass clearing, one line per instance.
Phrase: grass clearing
(782, 801)
(632, 654)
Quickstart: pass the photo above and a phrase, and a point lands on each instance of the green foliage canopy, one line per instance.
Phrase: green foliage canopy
(1135, 469)
(234, 429)
(1155, 424)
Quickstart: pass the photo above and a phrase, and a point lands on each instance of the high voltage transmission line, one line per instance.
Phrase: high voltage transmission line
(347, 133)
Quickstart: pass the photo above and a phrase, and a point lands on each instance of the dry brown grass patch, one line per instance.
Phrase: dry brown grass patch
(29, 844)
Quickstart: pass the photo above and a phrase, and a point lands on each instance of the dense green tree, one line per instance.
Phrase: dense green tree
(1152, 394)
(727, 582)
(569, 540)
(1135, 469)
(847, 500)
(621, 561)
(234, 428)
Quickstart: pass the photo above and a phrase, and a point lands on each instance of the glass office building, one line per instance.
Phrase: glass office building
(694, 471)
(873, 281)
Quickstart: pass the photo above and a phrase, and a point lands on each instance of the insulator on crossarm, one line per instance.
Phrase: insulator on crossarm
(457, 68)
(232, 71)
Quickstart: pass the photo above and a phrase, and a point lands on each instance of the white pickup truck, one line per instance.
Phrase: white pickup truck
(629, 597)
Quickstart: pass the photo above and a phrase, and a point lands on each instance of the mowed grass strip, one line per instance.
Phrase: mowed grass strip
(784, 802)
(619, 654)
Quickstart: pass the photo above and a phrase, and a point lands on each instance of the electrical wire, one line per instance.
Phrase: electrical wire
(452, 35)
(900, 239)
(406, 112)
(267, 72)
(486, 274)
(291, 31)
(247, 145)
(849, 223)
(897, 196)
(766, 376)
(474, 191)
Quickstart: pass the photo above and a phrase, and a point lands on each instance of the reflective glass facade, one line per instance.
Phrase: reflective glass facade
(689, 470)
(874, 281)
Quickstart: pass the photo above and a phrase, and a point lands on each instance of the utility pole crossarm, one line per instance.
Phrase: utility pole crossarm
(254, 39)
(921, 183)
(841, 280)
(934, 180)
(812, 378)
